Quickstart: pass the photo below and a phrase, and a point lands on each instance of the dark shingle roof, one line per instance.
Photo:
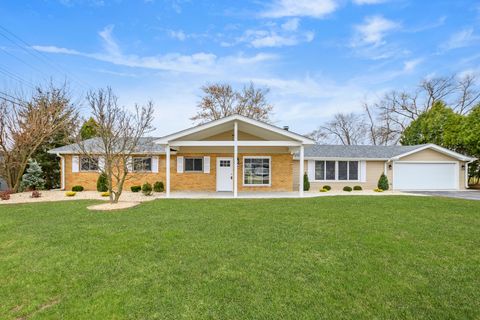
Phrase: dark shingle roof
(93, 145)
(360, 152)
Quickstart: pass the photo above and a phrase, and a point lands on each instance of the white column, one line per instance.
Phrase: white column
(235, 157)
(167, 169)
(301, 172)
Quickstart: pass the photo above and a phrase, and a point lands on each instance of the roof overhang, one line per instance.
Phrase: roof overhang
(437, 148)
(192, 135)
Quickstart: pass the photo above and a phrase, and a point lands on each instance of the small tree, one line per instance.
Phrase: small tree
(33, 178)
(383, 182)
(89, 129)
(118, 136)
(306, 183)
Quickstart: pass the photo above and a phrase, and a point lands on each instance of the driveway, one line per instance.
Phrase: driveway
(470, 194)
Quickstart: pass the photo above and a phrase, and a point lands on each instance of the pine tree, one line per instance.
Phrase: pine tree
(89, 129)
(306, 183)
(383, 182)
(33, 178)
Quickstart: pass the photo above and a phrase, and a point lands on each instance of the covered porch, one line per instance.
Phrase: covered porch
(248, 158)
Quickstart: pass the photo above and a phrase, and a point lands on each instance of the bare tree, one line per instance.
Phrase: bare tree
(468, 94)
(221, 100)
(26, 125)
(119, 133)
(346, 128)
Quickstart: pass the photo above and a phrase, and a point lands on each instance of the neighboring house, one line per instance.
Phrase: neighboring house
(236, 154)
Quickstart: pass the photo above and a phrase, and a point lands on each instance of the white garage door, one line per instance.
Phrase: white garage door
(425, 176)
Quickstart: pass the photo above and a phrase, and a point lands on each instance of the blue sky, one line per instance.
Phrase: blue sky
(317, 57)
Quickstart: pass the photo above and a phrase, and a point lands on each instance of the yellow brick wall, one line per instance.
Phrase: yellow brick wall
(281, 179)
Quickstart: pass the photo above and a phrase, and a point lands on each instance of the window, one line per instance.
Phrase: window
(142, 164)
(88, 164)
(224, 163)
(336, 170)
(256, 171)
(193, 164)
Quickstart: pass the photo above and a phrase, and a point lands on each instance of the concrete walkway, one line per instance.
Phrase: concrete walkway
(467, 194)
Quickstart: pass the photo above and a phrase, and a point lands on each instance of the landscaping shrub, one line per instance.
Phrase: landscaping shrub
(77, 188)
(347, 188)
(136, 188)
(102, 185)
(306, 183)
(33, 177)
(35, 194)
(378, 190)
(5, 195)
(323, 190)
(328, 188)
(70, 193)
(105, 194)
(357, 188)
(158, 186)
(383, 182)
(147, 189)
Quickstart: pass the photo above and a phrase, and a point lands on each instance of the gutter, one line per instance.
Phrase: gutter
(62, 161)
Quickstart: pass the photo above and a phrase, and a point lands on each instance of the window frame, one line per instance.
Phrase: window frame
(269, 171)
(90, 159)
(336, 170)
(143, 158)
(193, 171)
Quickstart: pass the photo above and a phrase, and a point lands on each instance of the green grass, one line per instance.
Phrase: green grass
(330, 257)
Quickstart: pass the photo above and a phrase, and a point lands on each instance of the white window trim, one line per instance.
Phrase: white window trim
(142, 171)
(90, 158)
(336, 171)
(269, 171)
(193, 171)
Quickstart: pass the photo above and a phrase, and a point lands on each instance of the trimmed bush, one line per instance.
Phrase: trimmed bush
(383, 182)
(70, 193)
(102, 185)
(158, 186)
(306, 183)
(347, 188)
(136, 188)
(35, 194)
(357, 188)
(4, 195)
(105, 194)
(323, 190)
(147, 189)
(328, 188)
(77, 188)
(378, 190)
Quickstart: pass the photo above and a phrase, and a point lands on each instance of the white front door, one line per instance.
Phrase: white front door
(224, 174)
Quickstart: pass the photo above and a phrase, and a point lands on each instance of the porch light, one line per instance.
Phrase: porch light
(390, 167)
(463, 166)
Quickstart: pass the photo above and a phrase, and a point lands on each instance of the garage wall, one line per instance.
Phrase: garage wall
(433, 155)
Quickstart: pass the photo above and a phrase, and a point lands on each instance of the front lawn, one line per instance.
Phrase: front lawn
(330, 257)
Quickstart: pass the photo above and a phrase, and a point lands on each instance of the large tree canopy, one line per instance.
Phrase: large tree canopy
(221, 100)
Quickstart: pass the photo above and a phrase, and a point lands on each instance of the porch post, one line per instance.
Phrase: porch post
(167, 168)
(235, 157)
(301, 172)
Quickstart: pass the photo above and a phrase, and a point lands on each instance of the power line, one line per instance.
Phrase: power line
(39, 55)
(15, 77)
(21, 60)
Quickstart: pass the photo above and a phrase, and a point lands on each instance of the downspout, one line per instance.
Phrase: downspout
(62, 164)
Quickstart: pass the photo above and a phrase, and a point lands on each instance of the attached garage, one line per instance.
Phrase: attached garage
(426, 175)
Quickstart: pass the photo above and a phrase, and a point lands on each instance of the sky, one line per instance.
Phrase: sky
(316, 57)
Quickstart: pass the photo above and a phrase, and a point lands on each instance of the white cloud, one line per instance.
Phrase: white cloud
(291, 24)
(179, 35)
(200, 62)
(373, 30)
(272, 39)
(461, 39)
(300, 8)
(411, 65)
(362, 2)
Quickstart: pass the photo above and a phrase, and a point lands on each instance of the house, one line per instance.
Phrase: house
(237, 154)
